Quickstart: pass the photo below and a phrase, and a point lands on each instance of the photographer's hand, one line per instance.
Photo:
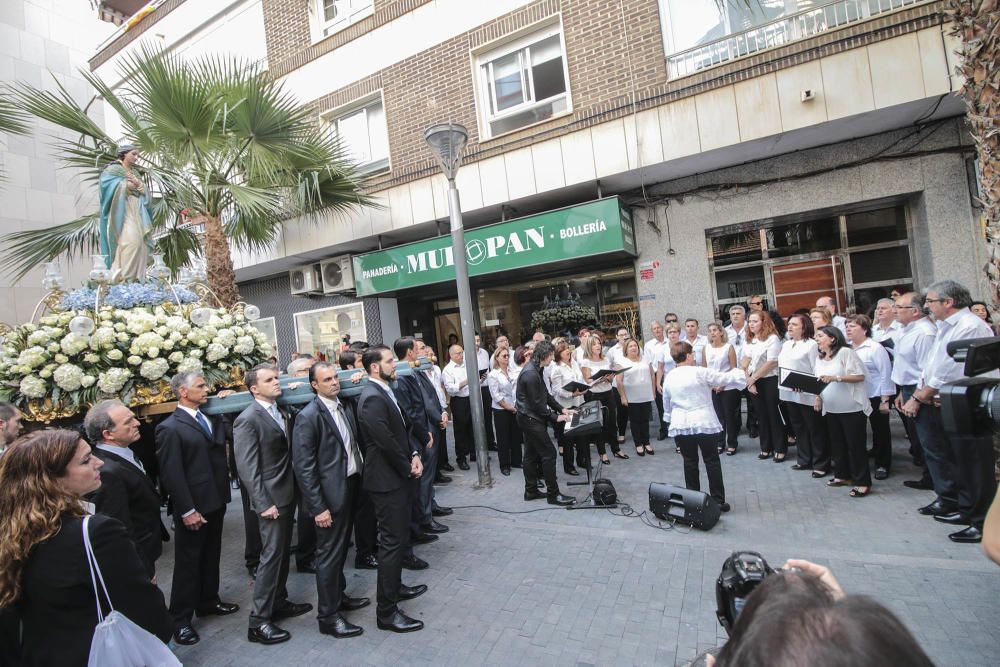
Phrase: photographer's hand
(820, 572)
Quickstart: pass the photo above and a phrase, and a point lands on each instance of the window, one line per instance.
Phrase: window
(331, 16)
(266, 326)
(886, 224)
(524, 83)
(321, 332)
(800, 238)
(363, 132)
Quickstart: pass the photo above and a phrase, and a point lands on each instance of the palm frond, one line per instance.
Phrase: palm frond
(23, 251)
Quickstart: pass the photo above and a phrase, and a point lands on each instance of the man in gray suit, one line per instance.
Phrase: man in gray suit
(264, 463)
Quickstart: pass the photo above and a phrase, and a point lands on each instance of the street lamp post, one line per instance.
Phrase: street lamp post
(448, 140)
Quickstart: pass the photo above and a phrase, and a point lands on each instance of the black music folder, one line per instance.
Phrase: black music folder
(576, 386)
(806, 382)
(603, 373)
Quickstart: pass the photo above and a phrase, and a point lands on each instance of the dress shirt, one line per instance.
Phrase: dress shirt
(892, 331)
(336, 411)
(737, 339)
(652, 349)
(434, 372)
(760, 351)
(697, 345)
(938, 367)
(615, 354)
(637, 380)
(388, 390)
(797, 355)
(563, 374)
(913, 345)
(124, 452)
(483, 361)
(502, 386)
(194, 415)
(454, 374)
(878, 368)
(844, 397)
(577, 353)
(272, 409)
(840, 322)
(687, 398)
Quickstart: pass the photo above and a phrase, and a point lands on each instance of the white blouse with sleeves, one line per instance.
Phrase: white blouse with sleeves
(637, 380)
(594, 366)
(797, 355)
(878, 368)
(561, 376)
(843, 397)
(687, 398)
(501, 388)
(761, 351)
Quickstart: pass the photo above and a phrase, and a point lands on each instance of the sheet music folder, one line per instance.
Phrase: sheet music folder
(576, 386)
(605, 372)
(806, 382)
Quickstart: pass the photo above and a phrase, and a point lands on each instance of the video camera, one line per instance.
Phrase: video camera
(971, 406)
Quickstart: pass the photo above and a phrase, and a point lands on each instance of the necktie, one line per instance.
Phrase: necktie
(345, 435)
(277, 416)
(203, 423)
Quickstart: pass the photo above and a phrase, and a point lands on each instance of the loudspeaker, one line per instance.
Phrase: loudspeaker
(675, 503)
(604, 493)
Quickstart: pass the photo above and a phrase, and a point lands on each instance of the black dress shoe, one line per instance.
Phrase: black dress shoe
(269, 633)
(574, 472)
(752, 433)
(219, 609)
(366, 563)
(424, 538)
(434, 527)
(799, 466)
(186, 636)
(293, 609)
(955, 518)
(881, 473)
(400, 622)
(923, 485)
(533, 495)
(412, 562)
(560, 499)
(442, 479)
(437, 510)
(306, 568)
(724, 507)
(970, 535)
(353, 604)
(340, 628)
(447, 467)
(252, 571)
(463, 465)
(410, 592)
(505, 472)
(662, 436)
(936, 509)
(472, 458)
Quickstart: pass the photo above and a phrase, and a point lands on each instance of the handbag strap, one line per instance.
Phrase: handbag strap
(95, 571)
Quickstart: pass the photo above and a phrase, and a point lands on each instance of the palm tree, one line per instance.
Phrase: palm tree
(12, 121)
(222, 145)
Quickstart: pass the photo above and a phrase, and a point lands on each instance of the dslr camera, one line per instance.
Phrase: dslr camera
(741, 574)
(971, 406)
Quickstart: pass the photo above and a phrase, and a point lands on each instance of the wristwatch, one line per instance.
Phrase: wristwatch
(414, 453)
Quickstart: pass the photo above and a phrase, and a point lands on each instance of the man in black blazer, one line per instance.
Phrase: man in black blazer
(191, 450)
(127, 493)
(390, 463)
(264, 462)
(326, 456)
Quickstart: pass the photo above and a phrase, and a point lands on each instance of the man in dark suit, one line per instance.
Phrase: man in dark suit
(264, 462)
(390, 463)
(363, 514)
(326, 456)
(191, 450)
(126, 492)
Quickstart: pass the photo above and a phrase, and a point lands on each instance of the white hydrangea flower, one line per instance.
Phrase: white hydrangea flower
(154, 369)
(175, 336)
(167, 345)
(32, 357)
(142, 343)
(45, 373)
(115, 355)
(119, 327)
(112, 380)
(87, 381)
(195, 354)
(140, 321)
(33, 387)
(40, 337)
(91, 358)
(61, 358)
(176, 357)
(68, 377)
(190, 365)
(226, 338)
(102, 336)
(244, 345)
(53, 347)
(73, 344)
(135, 360)
(215, 352)
(153, 352)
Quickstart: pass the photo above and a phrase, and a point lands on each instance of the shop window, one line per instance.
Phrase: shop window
(800, 238)
(321, 332)
(883, 225)
(364, 134)
(740, 283)
(736, 248)
(330, 16)
(266, 326)
(887, 264)
(523, 83)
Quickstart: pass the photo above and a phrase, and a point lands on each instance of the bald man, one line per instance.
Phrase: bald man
(456, 383)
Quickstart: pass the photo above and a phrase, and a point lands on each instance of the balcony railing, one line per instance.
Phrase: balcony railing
(779, 32)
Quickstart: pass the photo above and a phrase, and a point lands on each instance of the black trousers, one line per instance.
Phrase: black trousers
(462, 414)
(538, 447)
(331, 552)
(658, 401)
(441, 437)
(705, 443)
(848, 435)
(727, 409)
(812, 448)
(976, 469)
(365, 525)
(622, 415)
(751, 412)
(305, 528)
(570, 445)
(881, 438)
(638, 417)
(251, 532)
(392, 510)
(269, 588)
(196, 567)
(765, 403)
(913, 434)
(609, 432)
(491, 439)
(508, 435)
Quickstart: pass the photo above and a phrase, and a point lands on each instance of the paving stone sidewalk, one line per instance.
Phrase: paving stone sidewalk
(557, 587)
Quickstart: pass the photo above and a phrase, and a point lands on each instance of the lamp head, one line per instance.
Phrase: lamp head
(448, 141)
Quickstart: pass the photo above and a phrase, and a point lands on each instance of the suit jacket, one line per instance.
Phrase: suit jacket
(386, 438)
(263, 459)
(431, 402)
(320, 459)
(57, 604)
(128, 495)
(192, 465)
(411, 401)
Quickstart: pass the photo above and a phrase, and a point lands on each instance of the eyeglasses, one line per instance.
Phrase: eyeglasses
(898, 307)
(756, 303)
(670, 321)
(929, 300)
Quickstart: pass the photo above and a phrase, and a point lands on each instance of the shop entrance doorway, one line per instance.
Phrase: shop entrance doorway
(798, 285)
(447, 328)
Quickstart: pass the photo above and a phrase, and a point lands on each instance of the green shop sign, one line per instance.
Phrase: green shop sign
(595, 228)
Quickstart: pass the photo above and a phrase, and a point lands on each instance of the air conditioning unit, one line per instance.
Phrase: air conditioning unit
(338, 275)
(305, 280)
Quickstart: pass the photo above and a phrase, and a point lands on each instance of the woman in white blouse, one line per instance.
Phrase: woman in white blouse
(879, 385)
(799, 353)
(593, 361)
(564, 371)
(720, 356)
(664, 363)
(760, 362)
(687, 406)
(637, 389)
(844, 404)
(503, 383)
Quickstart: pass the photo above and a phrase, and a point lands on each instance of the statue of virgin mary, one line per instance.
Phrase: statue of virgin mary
(125, 220)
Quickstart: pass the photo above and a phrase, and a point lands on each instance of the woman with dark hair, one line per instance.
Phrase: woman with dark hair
(720, 356)
(844, 404)
(502, 384)
(44, 572)
(799, 353)
(980, 309)
(564, 371)
(637, 389)
(594, 360)
(880, 388)
(760, 362)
